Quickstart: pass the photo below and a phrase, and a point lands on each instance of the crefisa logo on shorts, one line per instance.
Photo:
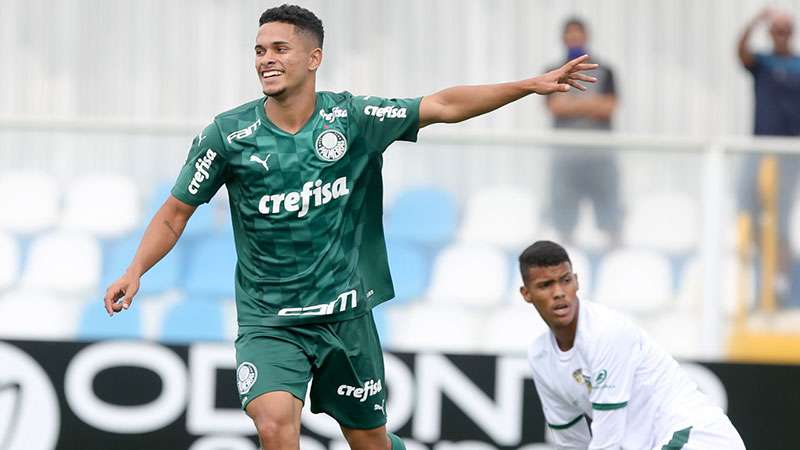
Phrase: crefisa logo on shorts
(246, 376)
(371, 387)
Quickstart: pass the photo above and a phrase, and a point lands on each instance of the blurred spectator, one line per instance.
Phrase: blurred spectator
(776, 81)
(591, 174)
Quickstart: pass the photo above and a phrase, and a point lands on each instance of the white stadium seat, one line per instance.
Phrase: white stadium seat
(9, 261)
(63, 262)
(435, 327)
(105, 205)
(29, 202)
(511, 329)
(690, 293)
(470, 274)
(26, 314)
(666, 222)
(503, 216)
(634, 281)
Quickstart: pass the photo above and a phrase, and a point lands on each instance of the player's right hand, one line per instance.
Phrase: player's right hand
(121, 292)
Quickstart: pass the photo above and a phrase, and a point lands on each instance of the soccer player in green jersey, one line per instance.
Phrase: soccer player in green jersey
(303, 173)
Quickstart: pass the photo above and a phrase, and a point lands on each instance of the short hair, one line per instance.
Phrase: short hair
(574, 21)
(304, 20)
(542, 254)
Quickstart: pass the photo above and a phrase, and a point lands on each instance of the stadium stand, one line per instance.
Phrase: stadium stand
(107, 206)
(63, 263)
(9, 261)
(21, 189)
(504, 216)
(437, 206)
(638, 282)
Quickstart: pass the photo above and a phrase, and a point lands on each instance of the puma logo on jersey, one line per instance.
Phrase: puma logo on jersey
(201, 165)
(314, 193)
(263, 162)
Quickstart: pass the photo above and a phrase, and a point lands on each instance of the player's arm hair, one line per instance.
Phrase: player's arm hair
(161, 234)
(460, 103)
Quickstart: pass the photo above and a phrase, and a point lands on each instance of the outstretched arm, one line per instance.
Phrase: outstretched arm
(163, 231)
(460, 103)
(745, 54)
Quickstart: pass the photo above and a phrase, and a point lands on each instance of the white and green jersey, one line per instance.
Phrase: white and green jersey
(636, 394)
(306, 207)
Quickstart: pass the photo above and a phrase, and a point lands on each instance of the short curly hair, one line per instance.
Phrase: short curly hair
(541, 254)
(304, 20)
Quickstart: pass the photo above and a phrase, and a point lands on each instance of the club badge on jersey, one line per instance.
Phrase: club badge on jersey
(330, 145)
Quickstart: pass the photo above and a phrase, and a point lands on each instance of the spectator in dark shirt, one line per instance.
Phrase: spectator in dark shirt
(776, 82)
(590, 174)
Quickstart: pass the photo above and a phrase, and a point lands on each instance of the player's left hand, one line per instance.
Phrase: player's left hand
(566, 76)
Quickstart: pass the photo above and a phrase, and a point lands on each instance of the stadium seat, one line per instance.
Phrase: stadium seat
(470, 274)
(635, 281)
(107, 206)
(410, 269)
(163, 276)
(96, 324)
(63, 262)
(210, 268)
(503, 216)
(35, 314)
(511, 329)
(435, 327)
(665, 222)
(423, 215)
(9, 261)
(29, 202)
(690, 294)
(191, 320)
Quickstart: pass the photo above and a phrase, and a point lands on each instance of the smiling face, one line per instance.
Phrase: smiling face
(286, 59)
(553, 291)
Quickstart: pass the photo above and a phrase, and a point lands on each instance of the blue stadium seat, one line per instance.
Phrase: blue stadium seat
(95, 324)
(162, 277)
(192, 320)
(410, 267)
(423, 215)
(211, 263)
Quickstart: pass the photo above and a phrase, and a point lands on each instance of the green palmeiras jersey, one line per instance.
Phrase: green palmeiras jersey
(306, 208)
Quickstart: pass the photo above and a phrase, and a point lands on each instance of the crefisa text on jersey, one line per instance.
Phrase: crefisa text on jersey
(202, 165)
(300, 202)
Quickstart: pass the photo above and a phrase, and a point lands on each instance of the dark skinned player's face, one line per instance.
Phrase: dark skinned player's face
(285, 58)
(553, 290)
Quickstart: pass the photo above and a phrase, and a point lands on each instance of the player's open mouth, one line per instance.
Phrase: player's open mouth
(270, 73)
(561, 309)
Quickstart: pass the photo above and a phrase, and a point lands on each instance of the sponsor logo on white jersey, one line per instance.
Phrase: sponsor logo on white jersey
(314, 193)
(244, 132)
(371, 387)
(347, 300)
(334, 114)
(385, 112)
(202, 165)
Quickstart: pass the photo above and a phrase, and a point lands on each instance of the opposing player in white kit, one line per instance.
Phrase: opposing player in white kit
(595, 364)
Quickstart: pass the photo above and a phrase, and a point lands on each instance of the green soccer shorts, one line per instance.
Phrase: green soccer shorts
(344, 360)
